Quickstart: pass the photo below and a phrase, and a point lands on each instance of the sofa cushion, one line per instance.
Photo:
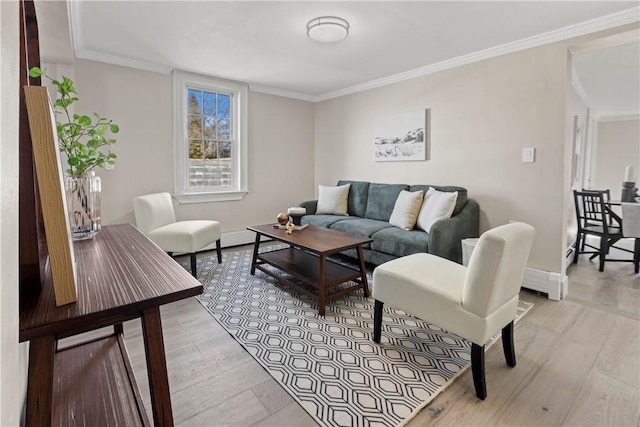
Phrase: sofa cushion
(332, 200)
(357, 201)
(362, 227)
(324, 220)
(397, 242)
(382, 199)
(462, 194)
(406, 210)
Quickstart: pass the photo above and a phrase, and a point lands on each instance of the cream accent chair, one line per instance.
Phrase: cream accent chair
(156, 219)
(631, 228)
(473, 302)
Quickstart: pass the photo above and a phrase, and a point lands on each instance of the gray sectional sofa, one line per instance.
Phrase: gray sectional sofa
(369, 208)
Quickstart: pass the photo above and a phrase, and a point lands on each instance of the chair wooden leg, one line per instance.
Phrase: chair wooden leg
(219, 251)
(577, 251)
(603, 251)
(194, 272)
(636, 255)
(507, 345)
(377, 321)
(477, 368)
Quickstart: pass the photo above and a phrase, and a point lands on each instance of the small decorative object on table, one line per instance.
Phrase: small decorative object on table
(296, 213)
(282, 218)
(290, 221)
(290, 227)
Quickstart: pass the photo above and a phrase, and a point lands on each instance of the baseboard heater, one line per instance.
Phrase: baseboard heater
(548, 282)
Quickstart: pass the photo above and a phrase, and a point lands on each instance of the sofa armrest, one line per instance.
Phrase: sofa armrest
(445, 237)
(310, 206)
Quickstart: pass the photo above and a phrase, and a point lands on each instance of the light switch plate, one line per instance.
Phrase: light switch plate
(528, 155)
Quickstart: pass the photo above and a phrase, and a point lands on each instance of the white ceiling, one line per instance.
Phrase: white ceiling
(264, 43)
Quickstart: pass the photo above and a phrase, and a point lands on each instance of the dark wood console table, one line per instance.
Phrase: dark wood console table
(121, 276)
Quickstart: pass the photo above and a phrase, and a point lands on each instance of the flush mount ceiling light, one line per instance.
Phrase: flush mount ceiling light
(328, 29)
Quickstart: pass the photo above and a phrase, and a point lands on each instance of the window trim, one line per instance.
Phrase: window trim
(181, 82)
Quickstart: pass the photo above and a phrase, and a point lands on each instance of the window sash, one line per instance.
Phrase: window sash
(210, 171)
(233, 180)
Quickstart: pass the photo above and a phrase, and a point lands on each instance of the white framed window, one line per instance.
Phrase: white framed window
(210, 141)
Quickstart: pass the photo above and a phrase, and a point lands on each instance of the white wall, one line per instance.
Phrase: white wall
(13, 356)
(618, 146)
(281, 156)
(482, 115)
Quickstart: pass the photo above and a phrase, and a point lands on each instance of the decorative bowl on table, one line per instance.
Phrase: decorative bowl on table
(296, 213)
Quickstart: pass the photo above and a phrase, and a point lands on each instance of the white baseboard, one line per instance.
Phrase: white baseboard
(237, 238)
(545, 281)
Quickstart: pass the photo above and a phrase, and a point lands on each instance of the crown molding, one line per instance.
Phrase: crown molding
(123, 61)
(616, 116)
(617, 19)
(281, 92)
(614, 40)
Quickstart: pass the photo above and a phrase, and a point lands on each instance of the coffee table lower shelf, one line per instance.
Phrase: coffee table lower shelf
(307, 268)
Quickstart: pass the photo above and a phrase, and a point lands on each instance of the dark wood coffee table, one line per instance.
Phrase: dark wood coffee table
(306, 260)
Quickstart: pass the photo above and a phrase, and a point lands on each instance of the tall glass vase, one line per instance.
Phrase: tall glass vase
(83, 203)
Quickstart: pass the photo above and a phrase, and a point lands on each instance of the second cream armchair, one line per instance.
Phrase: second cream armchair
(474, 302)
(156, 219)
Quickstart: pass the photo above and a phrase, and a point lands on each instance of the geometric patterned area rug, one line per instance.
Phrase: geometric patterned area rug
(330, 364)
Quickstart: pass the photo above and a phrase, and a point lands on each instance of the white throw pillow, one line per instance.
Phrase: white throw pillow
(436, 205)
(332, 200)
(405, 211)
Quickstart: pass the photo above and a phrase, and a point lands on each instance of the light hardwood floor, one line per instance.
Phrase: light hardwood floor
(577, 364)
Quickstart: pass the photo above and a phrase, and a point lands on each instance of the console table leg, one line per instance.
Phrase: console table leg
(157, 367)
(40, 381)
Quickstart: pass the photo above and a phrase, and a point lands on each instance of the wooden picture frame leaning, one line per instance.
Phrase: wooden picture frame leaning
(52, 194)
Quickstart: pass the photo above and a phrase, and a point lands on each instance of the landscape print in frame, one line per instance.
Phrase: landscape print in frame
(401, 137)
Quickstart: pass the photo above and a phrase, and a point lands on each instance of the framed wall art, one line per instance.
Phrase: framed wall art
(401, 137)
(52, 196)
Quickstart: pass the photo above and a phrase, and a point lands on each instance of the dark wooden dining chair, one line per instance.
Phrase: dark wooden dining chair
(606, 193)
(607, 197)
(596, 219)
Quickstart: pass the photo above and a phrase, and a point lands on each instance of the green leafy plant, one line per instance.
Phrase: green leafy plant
(82, 139)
